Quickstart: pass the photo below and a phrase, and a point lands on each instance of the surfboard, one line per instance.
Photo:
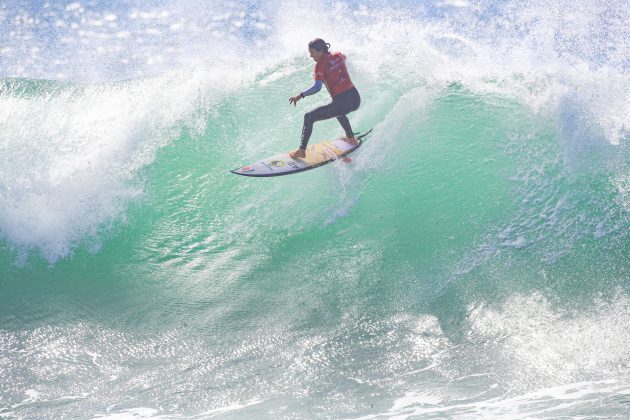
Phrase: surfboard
(317, 155)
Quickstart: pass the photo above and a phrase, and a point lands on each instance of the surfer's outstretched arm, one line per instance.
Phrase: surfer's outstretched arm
(317, 86)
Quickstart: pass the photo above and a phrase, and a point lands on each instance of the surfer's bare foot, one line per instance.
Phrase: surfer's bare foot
(350, 140)
(298, 154)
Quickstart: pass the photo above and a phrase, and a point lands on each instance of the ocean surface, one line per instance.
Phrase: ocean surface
(471, 262)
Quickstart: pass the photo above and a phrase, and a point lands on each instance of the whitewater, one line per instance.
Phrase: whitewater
(472, 261)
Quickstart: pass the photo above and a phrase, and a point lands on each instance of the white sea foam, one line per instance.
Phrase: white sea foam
(537, 360)
(535, 342)
(523, 357)
(72, 156)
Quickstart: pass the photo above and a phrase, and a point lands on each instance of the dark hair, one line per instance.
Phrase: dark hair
(319, 44)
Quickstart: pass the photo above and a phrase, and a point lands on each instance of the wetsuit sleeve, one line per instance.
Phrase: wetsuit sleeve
(313, 89)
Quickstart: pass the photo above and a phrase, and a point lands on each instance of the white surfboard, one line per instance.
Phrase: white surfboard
(318, 154)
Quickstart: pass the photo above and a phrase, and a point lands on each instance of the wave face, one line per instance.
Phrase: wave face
(472, 261)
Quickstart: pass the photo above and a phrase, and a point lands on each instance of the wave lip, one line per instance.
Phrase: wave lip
(72, 155)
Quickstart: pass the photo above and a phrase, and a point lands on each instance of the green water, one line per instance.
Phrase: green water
(462, 264)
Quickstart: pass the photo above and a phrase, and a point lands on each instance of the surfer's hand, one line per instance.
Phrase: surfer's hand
(294, 99)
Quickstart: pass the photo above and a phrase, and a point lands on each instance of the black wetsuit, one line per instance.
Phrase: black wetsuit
(341, 105)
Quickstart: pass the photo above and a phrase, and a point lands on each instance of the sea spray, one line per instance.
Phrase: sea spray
(471, 262)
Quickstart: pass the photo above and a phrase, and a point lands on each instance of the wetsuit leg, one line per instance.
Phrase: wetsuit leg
(345, 103)
(341, 105)
(345, 123)
(318, 114)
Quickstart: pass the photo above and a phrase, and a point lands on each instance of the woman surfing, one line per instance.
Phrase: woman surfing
(330, 69)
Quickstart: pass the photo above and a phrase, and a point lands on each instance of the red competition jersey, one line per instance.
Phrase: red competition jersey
(332, 70)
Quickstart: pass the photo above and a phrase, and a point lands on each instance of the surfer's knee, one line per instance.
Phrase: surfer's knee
(309, 117)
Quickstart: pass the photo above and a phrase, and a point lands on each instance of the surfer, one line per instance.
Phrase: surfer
(330, 69)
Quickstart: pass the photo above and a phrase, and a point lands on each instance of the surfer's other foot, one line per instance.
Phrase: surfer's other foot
(353, 141)
(298, 154)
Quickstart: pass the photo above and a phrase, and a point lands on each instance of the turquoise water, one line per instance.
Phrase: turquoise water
(472, 260)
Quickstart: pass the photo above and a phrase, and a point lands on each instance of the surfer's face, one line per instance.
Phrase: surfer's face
(315, 55)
